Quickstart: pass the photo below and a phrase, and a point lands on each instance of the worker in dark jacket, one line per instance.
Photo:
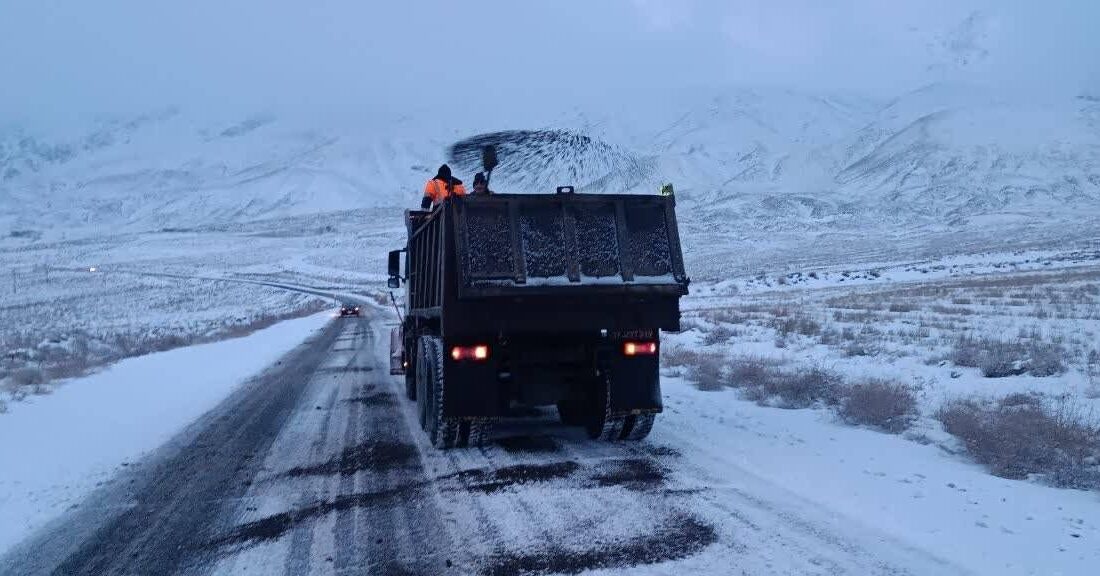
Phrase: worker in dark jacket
(481, 185)
(441, 187)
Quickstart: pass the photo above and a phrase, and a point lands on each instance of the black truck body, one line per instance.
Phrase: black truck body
(538, 299)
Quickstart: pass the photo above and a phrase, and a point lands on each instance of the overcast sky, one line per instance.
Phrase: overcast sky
(73, 59)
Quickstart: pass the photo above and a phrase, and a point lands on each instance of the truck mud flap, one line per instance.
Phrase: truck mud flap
(473, 389)
(397, 352)
(635, 384)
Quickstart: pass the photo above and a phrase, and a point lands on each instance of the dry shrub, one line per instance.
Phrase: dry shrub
(1045, 359)
(797, 324)
(26, 380)
(727, 317)
(688, 324)
(706, 372)
(998, 359)
(678, 356)
(941, 309)
(829, 337)
(710, 372)
(28, 376)
(749, 371)
(69, 367)
(1092, 375)
(995, 358)
(1023, 434)
(887, 405)
(718, 335)
(861, 347)
(795, 389)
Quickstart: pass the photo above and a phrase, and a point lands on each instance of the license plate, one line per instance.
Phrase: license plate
(636, 334)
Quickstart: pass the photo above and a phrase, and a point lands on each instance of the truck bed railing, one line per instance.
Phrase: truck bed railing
(522, 243)
(425, 272)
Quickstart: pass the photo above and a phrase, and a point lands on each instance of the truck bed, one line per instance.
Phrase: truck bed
(557, 262)
(554, 243)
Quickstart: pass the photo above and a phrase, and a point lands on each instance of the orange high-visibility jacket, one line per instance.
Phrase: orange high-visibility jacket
(437, 189)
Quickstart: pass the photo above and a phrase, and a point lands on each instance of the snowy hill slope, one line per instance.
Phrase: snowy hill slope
(170, 172)
(747, 163)
(932, 156)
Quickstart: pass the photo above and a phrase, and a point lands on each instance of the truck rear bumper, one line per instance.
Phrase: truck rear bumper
(527, 373)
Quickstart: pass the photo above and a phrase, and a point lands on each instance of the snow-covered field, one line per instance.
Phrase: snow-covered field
(1011, 341)
(857, 481)
(59, 447)
(919, 331)
(60, 319)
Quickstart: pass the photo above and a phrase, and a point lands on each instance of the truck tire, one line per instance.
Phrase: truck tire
(443, 432)
(602, 425)
(638, 426)
(475, 433)
(421, 387)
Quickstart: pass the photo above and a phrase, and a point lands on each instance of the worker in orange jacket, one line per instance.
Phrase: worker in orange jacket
(442, 186)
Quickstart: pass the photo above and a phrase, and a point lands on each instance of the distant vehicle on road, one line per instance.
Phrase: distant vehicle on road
(349, 310)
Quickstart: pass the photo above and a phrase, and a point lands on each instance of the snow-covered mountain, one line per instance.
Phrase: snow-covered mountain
(937, 155)
(744, 161)
(165, 170)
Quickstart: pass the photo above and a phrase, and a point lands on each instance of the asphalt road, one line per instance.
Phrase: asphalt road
(317, 466)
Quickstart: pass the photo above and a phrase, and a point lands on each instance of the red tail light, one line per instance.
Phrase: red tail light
(639, 348)
(476, 352)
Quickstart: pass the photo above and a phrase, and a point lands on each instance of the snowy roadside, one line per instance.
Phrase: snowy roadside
(926, 500)
(74, 325)
(55, 449)
(741, 357)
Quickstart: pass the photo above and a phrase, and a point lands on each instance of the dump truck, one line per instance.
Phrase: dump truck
(537, 300)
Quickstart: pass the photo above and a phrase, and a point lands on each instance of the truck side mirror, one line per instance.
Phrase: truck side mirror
(489, 158)
(394, 269)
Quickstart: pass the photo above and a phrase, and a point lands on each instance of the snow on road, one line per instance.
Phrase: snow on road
(55, 449)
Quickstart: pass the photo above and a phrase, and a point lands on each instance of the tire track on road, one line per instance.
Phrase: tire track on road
(176, 503)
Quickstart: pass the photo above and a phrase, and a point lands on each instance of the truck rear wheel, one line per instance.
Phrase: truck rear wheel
(475, 433)
(442, 431)
(601, 424)
(638, 426)
(420, 388)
